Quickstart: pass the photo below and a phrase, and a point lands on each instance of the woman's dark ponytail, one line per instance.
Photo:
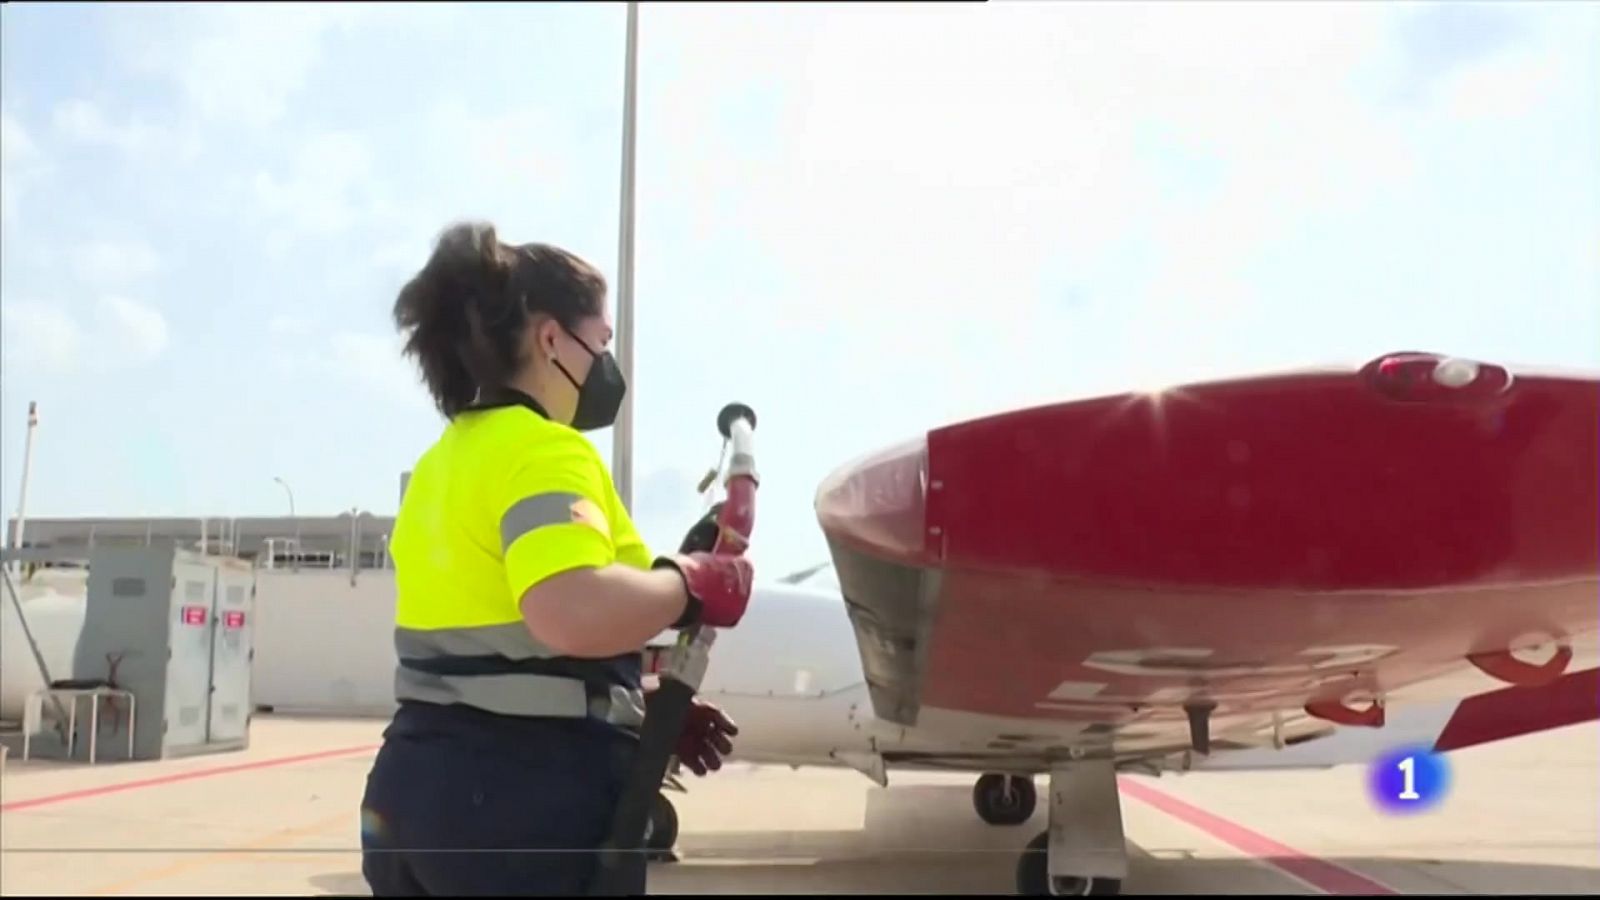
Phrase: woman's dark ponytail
(450, 308)
(466, 309)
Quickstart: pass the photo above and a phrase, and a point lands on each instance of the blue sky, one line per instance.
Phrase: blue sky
(896, 217)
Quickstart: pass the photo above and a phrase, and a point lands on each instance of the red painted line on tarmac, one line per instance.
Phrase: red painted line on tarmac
(1319, 873)
(103, 790)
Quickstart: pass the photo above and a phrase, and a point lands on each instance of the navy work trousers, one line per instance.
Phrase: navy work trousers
(463, 802)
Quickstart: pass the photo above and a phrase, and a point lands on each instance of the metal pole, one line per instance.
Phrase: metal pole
(296, 559)
(622, 432)
(355, 543)
(22, 496)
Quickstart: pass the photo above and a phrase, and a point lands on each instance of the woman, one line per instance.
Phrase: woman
(524, 596)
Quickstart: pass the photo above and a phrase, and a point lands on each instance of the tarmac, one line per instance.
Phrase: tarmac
(280, 818)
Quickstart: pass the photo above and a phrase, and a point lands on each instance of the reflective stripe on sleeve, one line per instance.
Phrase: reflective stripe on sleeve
(530, 513)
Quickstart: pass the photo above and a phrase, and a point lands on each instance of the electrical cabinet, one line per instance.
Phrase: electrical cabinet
(176, 629)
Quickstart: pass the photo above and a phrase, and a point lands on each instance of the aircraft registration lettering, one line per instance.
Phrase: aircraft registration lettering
(1322, 665)
(1198, 661)
(1163, 697)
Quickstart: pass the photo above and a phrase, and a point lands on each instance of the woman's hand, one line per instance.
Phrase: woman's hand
(705, 738)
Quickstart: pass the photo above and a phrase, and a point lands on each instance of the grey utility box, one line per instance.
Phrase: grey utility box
(175, 628)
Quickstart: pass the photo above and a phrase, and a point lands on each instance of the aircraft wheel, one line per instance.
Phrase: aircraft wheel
(1033, 876)
(1004, 799)
(661, 834)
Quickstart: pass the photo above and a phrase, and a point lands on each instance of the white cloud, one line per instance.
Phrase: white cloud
(527, 167)
(40, 336)
(286, 324)
(114, 264)
(1467, 61)
(52, 339)
(521, 145)
(138, 331)
(1503, 87)
(402, 257)
(81, 120)
(374, 362)
(327, 190)
(21, 163)
(931, 173)
(246, 64)
(665, 504)
(16, 146)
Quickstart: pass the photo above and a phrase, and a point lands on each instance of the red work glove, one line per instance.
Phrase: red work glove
(718, 586)
(704, 740)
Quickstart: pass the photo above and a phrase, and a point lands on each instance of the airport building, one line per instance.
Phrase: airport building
(354, 538)
(333, 542)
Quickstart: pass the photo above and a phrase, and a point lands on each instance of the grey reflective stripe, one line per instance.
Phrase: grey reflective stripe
(512, 640)
(522, 695)
(519, 694)
(529, 513)
(626, 707)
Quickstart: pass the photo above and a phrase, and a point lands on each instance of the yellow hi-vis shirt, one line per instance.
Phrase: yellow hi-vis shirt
(505, 499)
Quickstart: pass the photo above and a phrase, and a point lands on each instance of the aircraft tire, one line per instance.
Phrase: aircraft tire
(661, 834)
(989, 798)
(1033, 876)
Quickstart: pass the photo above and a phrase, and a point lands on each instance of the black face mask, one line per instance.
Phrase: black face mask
(600, 395)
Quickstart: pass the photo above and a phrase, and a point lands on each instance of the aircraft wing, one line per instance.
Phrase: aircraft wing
(1224, 561)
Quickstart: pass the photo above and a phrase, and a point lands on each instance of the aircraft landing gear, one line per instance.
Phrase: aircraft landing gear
(661, 831)
(1005, 799)
(1084, 852)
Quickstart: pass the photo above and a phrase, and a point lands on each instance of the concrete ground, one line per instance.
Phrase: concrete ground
(280, 818)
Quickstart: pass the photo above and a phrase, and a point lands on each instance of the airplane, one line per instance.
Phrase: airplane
(1186, 580)
(1234, 574)
(791, 677)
